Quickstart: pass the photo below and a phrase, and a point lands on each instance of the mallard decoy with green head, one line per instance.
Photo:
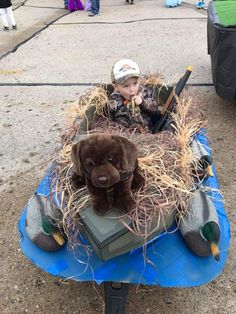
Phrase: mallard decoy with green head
(200, 227)
(41, 224)
(203, 158)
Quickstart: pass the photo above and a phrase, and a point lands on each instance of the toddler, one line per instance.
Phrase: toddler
(131, 104)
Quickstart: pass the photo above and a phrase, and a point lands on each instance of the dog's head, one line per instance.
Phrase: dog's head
(104, 159)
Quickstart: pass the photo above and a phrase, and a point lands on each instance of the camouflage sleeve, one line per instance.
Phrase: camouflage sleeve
(149, 104)
(115, 101)
(117, 114)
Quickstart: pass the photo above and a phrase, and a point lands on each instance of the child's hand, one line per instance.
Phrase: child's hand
(138, 99)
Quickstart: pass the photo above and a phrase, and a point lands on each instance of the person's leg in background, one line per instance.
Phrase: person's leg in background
(66, 4)
(3, 13)
(98, 5)
(95, 7)
(11, 17)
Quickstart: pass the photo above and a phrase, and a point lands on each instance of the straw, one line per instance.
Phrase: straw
(165, 160)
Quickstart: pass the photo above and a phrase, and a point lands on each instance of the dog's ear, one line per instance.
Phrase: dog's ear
(75, 157)
(129, 152)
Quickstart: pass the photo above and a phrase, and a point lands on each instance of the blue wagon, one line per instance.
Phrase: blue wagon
(172, 263)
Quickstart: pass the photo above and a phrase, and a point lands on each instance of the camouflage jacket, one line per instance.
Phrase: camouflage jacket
(121, 110)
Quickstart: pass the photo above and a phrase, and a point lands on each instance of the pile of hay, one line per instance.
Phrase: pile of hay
(165, 158)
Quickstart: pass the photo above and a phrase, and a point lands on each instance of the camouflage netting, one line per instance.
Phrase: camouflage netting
(165, 158)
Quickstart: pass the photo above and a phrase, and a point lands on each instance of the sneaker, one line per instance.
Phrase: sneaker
(5, 28)
(92, 14)
(14, 26)
(200, 5)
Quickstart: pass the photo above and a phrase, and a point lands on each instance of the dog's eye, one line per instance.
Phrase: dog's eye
(109, 158)
(89, 163)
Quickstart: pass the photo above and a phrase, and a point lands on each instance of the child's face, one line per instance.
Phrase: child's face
(129, 88)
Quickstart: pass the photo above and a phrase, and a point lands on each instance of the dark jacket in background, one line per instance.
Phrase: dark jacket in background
(5, 4)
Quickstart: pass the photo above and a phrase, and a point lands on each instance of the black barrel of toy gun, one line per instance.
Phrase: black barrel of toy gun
(176, 92)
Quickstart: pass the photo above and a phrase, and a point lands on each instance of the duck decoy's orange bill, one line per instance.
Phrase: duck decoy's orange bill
(210, 171)
(215, 251)
(58, 238)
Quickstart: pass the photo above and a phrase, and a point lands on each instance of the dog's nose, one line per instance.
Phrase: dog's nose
(102, 180)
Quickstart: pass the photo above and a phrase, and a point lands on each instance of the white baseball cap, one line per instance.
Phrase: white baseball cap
(123, 69)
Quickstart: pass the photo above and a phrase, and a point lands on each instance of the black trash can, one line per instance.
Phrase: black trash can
(221, 40)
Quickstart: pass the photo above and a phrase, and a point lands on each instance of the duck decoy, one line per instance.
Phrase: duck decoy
(41, 225)
(204, 160)
(199, 226)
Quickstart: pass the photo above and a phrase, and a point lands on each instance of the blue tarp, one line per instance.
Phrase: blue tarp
(167, 261)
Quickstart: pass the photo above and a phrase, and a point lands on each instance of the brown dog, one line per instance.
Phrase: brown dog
(108, 164)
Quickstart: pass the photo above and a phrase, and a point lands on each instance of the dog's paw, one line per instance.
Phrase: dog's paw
(100, 206)
(125, 203)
